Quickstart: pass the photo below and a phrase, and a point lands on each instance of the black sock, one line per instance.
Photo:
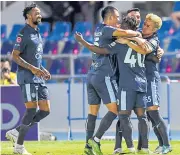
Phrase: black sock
(160, 125)
(18, 128)
(40, 114)
(156, 130)
(22, 133)
(126, 127)
(118, 136)
(105, 124)
(24, 127)
(143, 127)
(90, 126)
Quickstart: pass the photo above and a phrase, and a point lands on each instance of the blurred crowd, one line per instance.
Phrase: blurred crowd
(68, 17)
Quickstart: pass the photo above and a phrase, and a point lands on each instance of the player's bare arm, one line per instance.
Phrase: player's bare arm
(91, 47)
(20, 61)
(143, 43)
(132, 45)
(141, 50)
(125, 33)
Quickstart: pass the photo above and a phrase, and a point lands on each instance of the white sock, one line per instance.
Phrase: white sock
(97, 139)
(18, 145)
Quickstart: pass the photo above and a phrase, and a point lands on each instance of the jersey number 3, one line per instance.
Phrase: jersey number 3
(132, 58)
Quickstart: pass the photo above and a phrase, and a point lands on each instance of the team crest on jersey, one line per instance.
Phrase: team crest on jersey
(33, 95)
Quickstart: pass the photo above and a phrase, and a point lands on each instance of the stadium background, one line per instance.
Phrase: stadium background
(65, 58)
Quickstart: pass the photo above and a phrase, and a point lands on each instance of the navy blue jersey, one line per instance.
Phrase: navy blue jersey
(151, 66)
(131, 67)
(30, 45)
(101, 63)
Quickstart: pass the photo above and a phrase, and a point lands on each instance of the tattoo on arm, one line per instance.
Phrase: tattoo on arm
(21, 62)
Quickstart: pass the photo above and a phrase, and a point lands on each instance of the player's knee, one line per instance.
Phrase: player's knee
(28, 116)
(93, 109)
(142, 118)
(124, 117)
(156, 119)
(112, 107)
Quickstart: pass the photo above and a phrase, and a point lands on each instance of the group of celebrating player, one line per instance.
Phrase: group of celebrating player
(123, 74)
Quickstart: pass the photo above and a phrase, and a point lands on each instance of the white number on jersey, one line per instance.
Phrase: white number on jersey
(130, 58)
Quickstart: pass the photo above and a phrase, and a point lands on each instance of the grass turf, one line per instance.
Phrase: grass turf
(73, 147)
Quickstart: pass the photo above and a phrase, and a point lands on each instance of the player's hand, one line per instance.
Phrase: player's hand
(38, 72)
(78, 36)
(160, 52)
(122, 41)
(47, 74)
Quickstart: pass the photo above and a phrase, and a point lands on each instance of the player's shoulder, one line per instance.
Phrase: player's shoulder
(23, 31)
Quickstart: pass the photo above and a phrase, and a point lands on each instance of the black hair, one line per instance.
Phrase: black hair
(28, 9)
(107, 10)
(5, 59)
(129, 23)
(133, 9)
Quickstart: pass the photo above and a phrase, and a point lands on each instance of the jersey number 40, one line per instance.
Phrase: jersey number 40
(133, 58)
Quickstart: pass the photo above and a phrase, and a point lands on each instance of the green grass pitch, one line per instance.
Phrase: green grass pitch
(73, 147)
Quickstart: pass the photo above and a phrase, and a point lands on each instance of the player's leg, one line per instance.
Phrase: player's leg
(118, 139)
(29, 93)
(43, 103)
(106, 92)
(94, 104)
(143, 128)
(161, 127)
(106, 121)
(160, 146)
(143, 121)
(126, 101)
(153, 102)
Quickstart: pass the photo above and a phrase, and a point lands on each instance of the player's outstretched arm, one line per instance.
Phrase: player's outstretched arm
(20, 61)
(91, 47)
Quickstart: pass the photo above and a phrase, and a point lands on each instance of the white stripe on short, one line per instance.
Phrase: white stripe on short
(154, 93)
(110, 89)
(123, 100)
(28, 92)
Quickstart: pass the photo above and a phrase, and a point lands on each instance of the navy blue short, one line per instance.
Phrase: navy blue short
(34, 92)
(153, 92)
(101, 89)
(130, 99)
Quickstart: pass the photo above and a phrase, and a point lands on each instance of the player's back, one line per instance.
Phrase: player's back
(131, 67)
(30, 45)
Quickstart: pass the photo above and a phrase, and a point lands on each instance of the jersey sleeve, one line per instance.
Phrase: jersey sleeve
(107, 32)
(153, 43)
(20, 43)
(110, 48)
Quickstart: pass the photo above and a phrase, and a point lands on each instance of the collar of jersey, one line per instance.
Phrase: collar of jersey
(32, 27)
